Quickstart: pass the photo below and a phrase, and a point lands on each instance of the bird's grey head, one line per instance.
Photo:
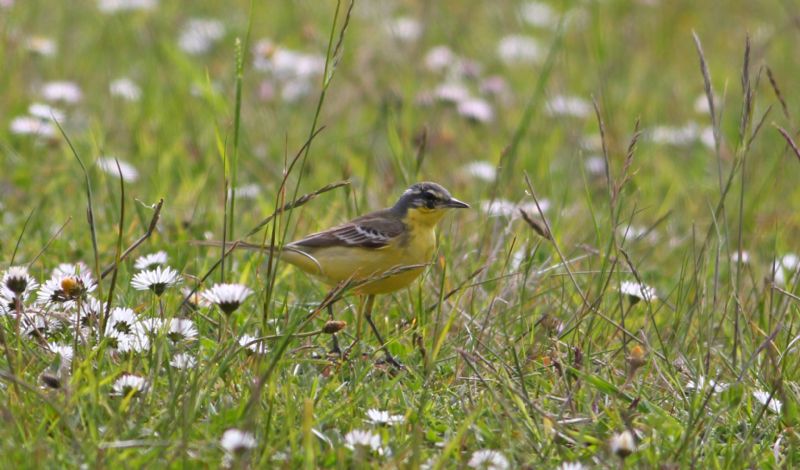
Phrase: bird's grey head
(427, 196)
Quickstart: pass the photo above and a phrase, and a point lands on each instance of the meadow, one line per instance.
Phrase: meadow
(622, 293)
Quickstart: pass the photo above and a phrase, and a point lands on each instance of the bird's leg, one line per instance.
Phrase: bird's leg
(368, 315)
(335, 346)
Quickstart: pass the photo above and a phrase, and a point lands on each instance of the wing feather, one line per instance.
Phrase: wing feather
(370, 231)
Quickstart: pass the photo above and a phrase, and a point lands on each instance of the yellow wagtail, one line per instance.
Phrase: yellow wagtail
(381, 252)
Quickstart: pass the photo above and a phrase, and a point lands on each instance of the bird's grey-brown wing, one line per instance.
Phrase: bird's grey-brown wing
(374, 230)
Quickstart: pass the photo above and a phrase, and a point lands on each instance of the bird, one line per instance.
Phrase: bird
(380, 252)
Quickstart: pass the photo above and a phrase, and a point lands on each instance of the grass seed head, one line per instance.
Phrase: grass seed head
(637, 357)
(334, 326)
(622, 444)
(51, 380)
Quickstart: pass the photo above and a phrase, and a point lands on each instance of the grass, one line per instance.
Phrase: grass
(518, 338)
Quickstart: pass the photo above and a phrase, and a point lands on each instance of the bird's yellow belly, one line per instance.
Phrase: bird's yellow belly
(336, 264)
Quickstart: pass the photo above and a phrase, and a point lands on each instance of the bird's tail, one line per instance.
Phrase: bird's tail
(291, 254)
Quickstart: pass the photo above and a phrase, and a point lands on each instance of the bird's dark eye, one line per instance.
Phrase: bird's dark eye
(430, 199)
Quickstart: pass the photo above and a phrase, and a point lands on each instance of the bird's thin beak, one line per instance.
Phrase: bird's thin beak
(456, 204)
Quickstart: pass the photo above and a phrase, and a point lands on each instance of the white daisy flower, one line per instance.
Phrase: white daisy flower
(570, 106)
(68, 269)
(476, 109)
(183, 361)
(361, 438)
(701, 104)
(247, 191)
(200, 34)
(790, 261)
(156, 280)
(67, 284)
(295, 90)
(672, 135)
(571, 466)
(150, 326)
(742, 256)
(151, 260)
(494, 85)
(451, 92)
(481, 170)
(108, 165)
(42, 45)
(285, 64)
(237, 442)
(136, 342)
(440, 58)
(506, 208)
(116, 6)
(488, 459)
(301, 65)
(65, 351)
(113, 339)
(125, 88)
(46, 112)
(499, 207)
(91, 308)
(622, 444)
(252, 344)
(129, 384)
(29, 125)
(785, 268)
(763, 397)
(518, 49)
(228, 297)
(383, 417)
(8, 301)
(707, 137)
(67, 92)
(182, 329)
(637, 292)
(404, 29)
(539, 14)
(196, 298)
(701, 384)
(121, 319)
(531, 207)
(633, 232)
(17, 280)
(595, 165)
(34, 324)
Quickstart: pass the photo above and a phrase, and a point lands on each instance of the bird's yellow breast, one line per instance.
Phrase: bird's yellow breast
(338, 263)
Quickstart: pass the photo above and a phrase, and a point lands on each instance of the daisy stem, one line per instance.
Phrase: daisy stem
(9, 356)
(18, 305)
(76, 335)
(223, 325)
